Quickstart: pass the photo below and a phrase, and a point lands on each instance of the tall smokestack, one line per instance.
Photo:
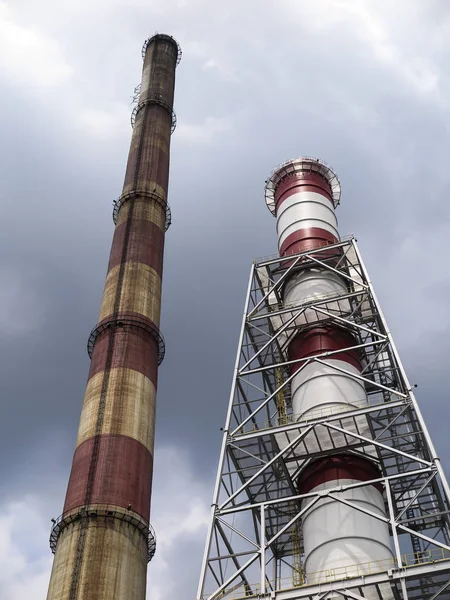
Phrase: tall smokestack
(303, 194)
(328, 485)
(103, 540)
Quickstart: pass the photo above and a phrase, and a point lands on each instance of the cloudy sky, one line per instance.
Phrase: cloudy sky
(362, 84)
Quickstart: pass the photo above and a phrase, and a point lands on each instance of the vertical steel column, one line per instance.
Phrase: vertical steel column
(226, 432)
(103, 540)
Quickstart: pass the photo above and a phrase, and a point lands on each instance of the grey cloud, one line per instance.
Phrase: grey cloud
(274, 84)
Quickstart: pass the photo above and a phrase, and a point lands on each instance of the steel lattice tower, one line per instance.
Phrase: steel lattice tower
(328, 485)
(103, 540)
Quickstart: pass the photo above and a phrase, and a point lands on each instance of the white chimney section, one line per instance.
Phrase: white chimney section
(303, 194)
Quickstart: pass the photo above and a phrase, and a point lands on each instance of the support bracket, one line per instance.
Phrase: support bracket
(158, 100)
(133, 194)
(128, 323)
(101, 514)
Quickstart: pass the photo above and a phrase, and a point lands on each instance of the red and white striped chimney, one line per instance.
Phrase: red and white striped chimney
(303, 194)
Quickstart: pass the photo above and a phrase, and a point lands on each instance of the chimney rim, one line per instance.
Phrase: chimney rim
(301, 165)
(167, 38)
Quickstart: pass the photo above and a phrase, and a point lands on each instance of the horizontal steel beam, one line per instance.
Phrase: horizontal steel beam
(317, 421)
(338, 488)
(418, 571)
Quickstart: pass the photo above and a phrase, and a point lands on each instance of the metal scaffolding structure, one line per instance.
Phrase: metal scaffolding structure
(254, 544)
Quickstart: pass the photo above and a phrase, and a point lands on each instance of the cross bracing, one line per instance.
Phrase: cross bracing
(254, 542)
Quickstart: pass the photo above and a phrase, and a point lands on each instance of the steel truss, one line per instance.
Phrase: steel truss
(254, 542)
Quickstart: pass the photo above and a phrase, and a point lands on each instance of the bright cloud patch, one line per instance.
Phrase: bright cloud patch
(24, 564)
(180, 509)
(105, 124)
(204, 132)
(180, 515)
(28, 56)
